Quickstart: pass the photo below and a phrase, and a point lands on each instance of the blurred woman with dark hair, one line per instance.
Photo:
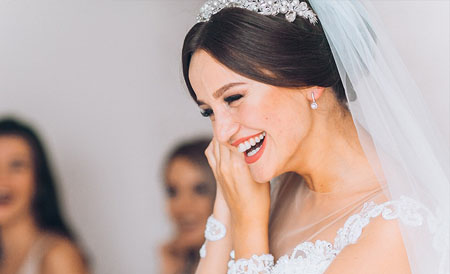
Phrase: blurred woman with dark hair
(34, 235)
(190, 189)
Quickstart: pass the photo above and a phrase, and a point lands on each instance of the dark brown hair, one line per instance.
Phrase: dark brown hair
(268, 49)
(193, 150)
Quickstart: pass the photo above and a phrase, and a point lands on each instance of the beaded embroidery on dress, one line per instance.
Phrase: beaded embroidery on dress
(315, 258)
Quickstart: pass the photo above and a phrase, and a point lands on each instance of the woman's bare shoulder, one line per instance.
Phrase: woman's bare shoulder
(380, 249)
(62, 256)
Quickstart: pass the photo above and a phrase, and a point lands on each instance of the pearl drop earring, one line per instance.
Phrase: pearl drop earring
(313, 104)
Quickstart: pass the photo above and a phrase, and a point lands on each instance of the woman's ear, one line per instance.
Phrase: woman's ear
(317, 91)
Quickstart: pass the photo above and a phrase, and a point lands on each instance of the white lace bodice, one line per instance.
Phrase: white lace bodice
(316, 257)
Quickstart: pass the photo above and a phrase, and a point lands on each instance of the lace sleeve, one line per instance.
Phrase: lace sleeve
(262, 264)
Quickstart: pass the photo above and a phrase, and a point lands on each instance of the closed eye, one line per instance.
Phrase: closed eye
(232, 98)
(206, 112)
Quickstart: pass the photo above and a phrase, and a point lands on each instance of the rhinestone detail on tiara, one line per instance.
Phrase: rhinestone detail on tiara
(290, 8)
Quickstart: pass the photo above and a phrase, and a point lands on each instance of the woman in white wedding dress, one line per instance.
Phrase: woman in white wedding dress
(311, 96)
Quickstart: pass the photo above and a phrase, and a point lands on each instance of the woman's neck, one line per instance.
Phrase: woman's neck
(18, 236)
(336, 160)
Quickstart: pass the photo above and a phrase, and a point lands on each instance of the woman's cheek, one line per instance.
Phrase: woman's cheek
(204, 206)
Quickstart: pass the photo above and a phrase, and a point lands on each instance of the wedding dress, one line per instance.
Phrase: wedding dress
(308, 243)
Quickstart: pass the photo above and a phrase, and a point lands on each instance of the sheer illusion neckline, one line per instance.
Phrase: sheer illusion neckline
(315, 257)
(373, 186)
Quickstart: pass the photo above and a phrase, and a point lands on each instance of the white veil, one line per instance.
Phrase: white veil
(394, 127)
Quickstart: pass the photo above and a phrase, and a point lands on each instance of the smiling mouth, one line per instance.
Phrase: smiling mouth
(187, 226)
(252, 147)
(5, 198)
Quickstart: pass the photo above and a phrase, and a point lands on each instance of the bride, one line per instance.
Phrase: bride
(311, 97)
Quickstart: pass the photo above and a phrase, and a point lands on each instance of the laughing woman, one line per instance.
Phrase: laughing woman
(312, 97)
(34, 236)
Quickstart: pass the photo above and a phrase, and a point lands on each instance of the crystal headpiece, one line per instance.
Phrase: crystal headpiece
(290, 8)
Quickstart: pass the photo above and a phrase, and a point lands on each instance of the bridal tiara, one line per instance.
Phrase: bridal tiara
(290, 8)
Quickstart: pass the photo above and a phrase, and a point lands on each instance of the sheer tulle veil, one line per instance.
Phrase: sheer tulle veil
(407, 153)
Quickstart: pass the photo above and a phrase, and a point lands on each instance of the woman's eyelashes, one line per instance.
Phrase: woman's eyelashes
(206, 112)
(229, 100)
(233, 98)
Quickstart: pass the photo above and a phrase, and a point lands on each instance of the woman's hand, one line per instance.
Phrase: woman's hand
(220, 211)
(247, 200)
(217, 252)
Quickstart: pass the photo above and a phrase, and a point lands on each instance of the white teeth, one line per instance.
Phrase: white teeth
(250, 143)
(253, 152)
(247, 145)
(241, 147)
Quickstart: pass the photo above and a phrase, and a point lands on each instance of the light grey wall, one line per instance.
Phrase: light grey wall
(420, 31)
(102, 82)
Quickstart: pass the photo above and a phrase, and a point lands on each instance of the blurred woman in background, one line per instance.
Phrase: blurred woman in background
(34, 235)
(190, 189)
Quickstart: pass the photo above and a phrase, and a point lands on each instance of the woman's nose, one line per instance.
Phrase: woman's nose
(183, 203)
(224, 126)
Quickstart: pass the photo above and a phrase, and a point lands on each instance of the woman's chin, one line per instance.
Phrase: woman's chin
(264, 169)
(192, 240)
(260, 176)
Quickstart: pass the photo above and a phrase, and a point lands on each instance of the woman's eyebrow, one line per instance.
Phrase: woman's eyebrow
(224, 88)
(220, 91)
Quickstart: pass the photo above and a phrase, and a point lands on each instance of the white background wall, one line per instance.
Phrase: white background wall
(102, 82)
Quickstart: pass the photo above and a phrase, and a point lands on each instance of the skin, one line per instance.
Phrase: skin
(189, 204)
(16, 179)
(19, 230)
(321, 145)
